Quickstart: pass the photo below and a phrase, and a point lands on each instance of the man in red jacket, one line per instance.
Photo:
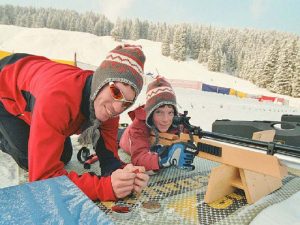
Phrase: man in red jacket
(42, 103)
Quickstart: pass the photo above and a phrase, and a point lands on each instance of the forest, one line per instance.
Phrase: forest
(269, 59)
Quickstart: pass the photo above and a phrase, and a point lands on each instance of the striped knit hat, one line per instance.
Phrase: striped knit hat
(159, 93)
(124, 64)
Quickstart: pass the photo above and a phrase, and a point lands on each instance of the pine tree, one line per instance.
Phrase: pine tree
(152, 31)
(165, 47)
(63, 24)
(239, 62)
(72, 25)
(179, 43)
(270, 66)
(195, 44)
(90, 26)
(7, 15)
(248, 68)
(223, 66)
(83, 23)
(231, 59)
(296, 77)
(144, 30)
(107, 27)
(125, 28)
(135, 30)
(78, 24)
(283, 75)
(99, 27)
(40, 20)
(161, 30)
(54, 22)
(203, 47)
(250, 61)
(203, 55)
(214, 59)
(116, 34)
(257, 69)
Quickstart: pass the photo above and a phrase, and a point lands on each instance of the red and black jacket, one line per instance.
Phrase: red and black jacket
(48, 96)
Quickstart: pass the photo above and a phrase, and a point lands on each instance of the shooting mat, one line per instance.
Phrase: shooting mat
(181, 195)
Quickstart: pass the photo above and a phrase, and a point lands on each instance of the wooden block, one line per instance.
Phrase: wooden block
(241, 157)
(219, 183)
(237, 183)
(256, 185)
(224, 179)
(266, 135)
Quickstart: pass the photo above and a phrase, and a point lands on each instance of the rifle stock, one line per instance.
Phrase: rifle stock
(228, 154)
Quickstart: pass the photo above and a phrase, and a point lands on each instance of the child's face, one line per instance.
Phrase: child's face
(163, 117)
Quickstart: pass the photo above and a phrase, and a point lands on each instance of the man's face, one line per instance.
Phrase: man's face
(107, 106)
(163, 117)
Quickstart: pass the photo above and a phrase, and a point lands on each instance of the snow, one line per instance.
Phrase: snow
(203, 107)
(284, 212)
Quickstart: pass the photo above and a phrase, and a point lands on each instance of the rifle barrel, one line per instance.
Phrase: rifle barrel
(272, 147)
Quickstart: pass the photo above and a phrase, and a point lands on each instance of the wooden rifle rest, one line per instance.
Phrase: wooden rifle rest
(257, 174)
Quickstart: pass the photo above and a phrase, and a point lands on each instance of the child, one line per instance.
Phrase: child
(157, 116)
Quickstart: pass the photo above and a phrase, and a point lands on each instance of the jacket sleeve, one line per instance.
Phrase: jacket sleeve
(139, 146)
(46, 142)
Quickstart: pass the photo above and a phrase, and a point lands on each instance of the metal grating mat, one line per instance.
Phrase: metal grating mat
(181, 194)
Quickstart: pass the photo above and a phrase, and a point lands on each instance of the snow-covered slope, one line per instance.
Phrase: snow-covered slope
(92, 49)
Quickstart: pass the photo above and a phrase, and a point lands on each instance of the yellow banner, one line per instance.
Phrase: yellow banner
(4, 54)
(68, 62)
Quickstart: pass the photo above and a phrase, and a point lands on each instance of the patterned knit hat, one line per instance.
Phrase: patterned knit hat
(124, 64)
(159, 93)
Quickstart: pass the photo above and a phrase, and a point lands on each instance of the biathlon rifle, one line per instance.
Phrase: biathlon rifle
(256, 173)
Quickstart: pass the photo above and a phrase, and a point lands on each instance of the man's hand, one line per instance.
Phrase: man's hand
(179, 154)
(130, 178)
